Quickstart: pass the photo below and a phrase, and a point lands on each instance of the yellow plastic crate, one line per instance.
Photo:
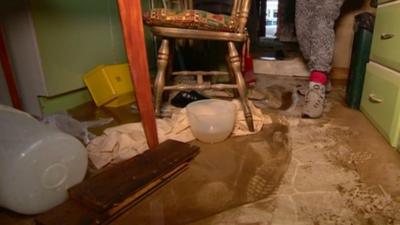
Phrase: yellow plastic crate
(110, 85)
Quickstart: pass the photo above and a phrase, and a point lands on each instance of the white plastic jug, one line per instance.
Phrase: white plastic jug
(38, 163)
(211, 120)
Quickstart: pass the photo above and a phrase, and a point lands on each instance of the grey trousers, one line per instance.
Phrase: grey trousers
(315, 21)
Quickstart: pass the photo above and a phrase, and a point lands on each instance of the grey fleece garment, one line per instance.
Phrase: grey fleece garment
(315, 20)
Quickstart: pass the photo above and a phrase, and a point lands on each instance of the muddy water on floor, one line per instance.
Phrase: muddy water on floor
(222, 176)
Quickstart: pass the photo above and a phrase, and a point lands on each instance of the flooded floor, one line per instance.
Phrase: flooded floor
(341, 169)
(334, 170)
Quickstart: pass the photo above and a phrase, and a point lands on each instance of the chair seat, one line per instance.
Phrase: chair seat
(190, 19)
(180, 33)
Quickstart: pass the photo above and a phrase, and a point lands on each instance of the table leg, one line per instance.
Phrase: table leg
(132, 25)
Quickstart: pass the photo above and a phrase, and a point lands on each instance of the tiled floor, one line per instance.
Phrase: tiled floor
(333, 170)
(341, 172)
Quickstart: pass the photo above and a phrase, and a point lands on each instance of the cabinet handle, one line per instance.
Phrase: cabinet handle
(372, 98)
(386, 36)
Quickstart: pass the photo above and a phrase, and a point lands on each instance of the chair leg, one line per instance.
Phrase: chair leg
(232, 78)
(234, 62)
(170, 65)
(169, 68)
(162, 62)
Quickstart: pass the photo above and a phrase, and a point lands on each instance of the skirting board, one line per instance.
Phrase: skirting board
(294, 67)
(288, 67)
(340, 73)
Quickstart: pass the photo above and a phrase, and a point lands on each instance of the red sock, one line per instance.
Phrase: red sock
(319, 77)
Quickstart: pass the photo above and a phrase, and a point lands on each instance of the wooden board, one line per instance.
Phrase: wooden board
(74, 213)
(113, 185)
(105, 196)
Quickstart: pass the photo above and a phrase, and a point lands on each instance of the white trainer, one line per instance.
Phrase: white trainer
(315, 100)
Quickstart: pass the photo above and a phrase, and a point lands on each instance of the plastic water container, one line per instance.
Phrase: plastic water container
(211, 120)
(38, 163)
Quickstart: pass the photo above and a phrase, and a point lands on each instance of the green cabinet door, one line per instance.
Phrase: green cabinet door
(380, 101)
(385, 47)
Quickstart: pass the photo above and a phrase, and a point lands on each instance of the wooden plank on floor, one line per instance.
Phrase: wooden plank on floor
(113, 185)
(104, 197)
(131, 201)
(73, 213)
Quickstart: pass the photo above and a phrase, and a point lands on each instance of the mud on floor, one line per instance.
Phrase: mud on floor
(294, 172)
(322, 184)
(223, 176)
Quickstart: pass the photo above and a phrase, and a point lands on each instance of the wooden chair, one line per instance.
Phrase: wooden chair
(195, 24)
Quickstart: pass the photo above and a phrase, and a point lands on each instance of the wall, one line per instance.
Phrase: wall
(73, 37)
(53, 43)
(345, 31)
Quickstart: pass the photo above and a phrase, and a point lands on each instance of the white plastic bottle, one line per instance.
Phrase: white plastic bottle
(38, 163)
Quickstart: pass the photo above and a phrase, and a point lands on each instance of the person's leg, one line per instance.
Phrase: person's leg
(321, 54)
(323, 35)
(304, 14)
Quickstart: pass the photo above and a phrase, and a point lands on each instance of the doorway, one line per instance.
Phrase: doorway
(271, 19)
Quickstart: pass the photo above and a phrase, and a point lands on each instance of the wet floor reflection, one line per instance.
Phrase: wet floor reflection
(224, 175)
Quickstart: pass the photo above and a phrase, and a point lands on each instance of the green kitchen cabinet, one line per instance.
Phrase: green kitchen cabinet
(385, 47)
(380, 100)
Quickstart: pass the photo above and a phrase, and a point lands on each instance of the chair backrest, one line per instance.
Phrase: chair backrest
(214, 6)
(177, 4)
(240, 10)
